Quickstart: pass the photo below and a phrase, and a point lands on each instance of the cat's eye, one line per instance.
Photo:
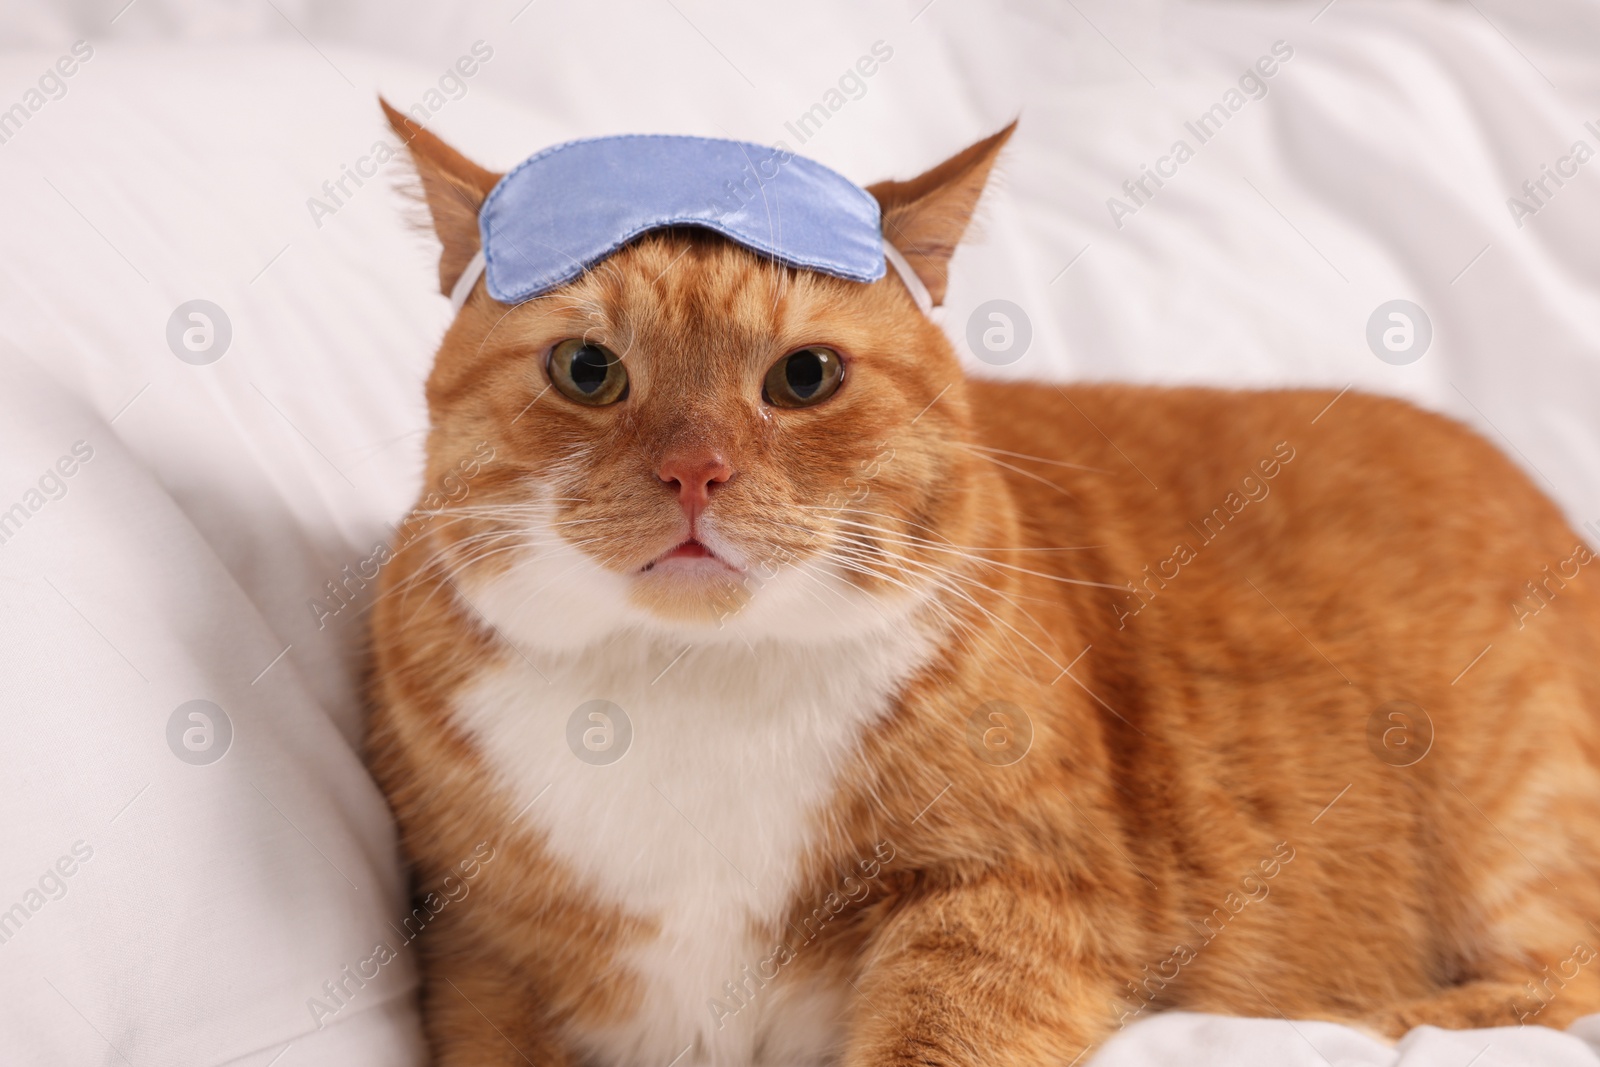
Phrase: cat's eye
(588, 373)
(804, 377)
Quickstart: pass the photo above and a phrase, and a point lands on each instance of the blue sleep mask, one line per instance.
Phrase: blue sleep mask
(563, 210)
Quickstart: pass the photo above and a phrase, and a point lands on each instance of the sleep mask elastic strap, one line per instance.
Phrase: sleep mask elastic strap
(919, 292)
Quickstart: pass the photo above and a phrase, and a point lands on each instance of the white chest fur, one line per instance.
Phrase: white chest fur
(702, 824)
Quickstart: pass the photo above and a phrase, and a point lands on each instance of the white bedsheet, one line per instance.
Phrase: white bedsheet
(179, 562)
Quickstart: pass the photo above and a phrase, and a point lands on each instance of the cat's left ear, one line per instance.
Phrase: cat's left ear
(925, 217)
(455, 188)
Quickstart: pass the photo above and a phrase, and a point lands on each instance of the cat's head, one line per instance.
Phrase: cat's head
(691, 439)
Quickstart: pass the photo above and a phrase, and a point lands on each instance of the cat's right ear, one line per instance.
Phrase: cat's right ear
(925, 217)
(454, 188)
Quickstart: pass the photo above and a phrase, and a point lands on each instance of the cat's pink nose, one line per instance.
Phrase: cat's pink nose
(692, 474)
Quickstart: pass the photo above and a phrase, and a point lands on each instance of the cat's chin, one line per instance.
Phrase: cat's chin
(562, 600)
(699, 589)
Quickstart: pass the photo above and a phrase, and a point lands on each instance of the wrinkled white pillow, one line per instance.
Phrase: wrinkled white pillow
(191, 848)
(195, 868)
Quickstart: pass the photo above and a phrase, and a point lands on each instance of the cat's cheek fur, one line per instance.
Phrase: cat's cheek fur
(554, 598)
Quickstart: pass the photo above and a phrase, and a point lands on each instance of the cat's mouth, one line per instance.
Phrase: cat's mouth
(691, 582)
(690, 549)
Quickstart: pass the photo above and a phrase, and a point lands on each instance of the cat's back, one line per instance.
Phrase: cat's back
(1367, 481)
(1297, 549)
(1316, 600)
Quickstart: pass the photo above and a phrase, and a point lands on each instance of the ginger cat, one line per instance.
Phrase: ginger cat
(953, 723)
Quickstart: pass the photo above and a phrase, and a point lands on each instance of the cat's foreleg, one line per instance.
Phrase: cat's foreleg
(1554, 992)
(476, 1015)
(992, 974)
